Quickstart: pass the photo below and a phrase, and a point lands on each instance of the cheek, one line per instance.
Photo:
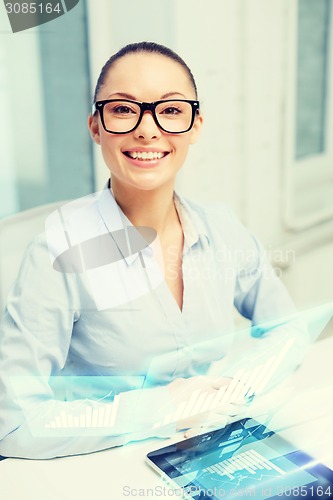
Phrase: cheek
(110, 147)
(109, 154)
(182, 146)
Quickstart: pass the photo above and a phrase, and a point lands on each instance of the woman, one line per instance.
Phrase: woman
(76, 338)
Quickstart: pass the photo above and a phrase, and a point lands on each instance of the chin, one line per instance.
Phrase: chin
(151, 182)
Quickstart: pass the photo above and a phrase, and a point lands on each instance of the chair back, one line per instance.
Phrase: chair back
(16, 232)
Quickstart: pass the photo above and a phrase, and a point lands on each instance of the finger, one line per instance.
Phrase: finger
(234, 416)
(229, 409)
(220, 412)
(218, 424)
(238, 394)
(210, 419)
(235, 398)
(219, 382)
(194, 431)
(195, 421)
(201, 419)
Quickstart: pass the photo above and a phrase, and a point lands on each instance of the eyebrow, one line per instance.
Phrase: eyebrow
(132, 98)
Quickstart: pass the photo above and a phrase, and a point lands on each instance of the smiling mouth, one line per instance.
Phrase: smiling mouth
(145, 155)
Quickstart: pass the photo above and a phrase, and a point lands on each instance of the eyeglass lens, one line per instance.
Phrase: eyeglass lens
(123, 116)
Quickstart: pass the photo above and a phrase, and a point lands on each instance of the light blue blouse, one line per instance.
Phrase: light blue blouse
(71, 341)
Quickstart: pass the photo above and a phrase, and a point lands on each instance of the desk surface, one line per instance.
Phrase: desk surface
(305, 418)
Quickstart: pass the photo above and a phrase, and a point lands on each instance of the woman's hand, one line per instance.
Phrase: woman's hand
(198, 388)
(203, 419)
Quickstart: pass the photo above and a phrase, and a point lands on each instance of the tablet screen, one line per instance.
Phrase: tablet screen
(244, 459)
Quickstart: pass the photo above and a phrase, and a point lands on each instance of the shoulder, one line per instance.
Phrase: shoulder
(37, 251)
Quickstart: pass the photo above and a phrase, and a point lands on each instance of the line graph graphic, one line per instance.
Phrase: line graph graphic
(244, 384)
(91, 418)
(257, 467)
(250, 460)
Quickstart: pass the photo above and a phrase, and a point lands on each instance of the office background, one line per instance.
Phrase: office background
(264, 70)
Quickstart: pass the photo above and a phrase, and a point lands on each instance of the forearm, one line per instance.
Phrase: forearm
(57, 428)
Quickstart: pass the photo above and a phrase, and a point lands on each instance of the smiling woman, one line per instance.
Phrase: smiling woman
(108, 336)
(145, 151)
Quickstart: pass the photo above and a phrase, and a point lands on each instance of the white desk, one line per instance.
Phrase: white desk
(112, 474)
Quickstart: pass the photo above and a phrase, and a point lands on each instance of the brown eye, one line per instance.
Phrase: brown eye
(171, 110)
(122, 110)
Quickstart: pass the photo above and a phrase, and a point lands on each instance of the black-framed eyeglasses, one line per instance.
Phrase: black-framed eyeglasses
(121, 116)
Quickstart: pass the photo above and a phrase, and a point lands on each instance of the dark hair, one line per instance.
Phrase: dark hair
(141, 47)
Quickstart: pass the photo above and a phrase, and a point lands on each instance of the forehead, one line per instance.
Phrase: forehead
(147, 76)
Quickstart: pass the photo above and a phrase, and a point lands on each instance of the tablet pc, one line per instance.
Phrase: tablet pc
(244, 459)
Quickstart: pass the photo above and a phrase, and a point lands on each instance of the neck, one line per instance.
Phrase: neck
(152, 208)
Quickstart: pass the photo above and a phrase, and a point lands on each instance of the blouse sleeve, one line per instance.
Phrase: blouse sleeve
(35, 337)
(280, 336)
(260, 295)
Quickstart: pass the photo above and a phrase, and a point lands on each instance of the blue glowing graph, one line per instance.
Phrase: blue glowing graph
(250, 460)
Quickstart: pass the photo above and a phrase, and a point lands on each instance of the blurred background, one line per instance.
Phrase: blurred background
(264, 70)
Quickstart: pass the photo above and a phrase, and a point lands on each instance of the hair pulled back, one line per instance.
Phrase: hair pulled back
(142, 47)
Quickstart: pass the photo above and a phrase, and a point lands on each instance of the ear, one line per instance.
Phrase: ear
(93, 126)
(196, 129)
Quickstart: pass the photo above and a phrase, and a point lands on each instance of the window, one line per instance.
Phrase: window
(45, 100)
(309, 130)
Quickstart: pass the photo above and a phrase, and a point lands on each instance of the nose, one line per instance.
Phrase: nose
(147, 128)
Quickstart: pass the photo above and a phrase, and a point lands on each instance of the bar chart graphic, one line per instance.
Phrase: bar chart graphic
(244, 384)
(256, 380)
(91, 418)
(199, 402)
(250, 461)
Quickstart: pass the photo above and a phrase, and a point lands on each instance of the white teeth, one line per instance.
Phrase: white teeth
(144, 155)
